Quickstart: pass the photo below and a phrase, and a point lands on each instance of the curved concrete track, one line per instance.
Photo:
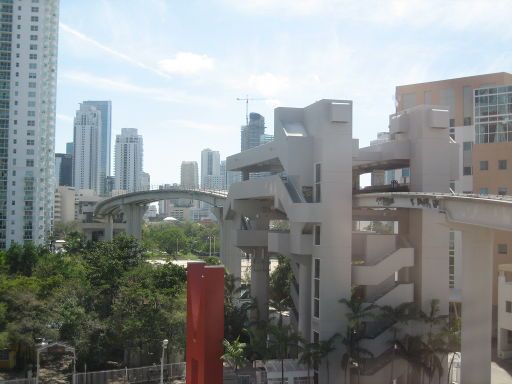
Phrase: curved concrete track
(114, 204)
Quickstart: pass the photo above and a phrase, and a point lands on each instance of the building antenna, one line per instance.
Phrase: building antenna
(246, 99)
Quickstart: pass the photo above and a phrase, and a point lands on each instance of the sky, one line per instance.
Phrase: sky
(175, 68)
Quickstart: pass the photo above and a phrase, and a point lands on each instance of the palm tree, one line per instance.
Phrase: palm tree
(325, 347)
(354, 353)
(411, 348)
(234, 353)
(281, 339)
(452, 336)
(358, 311)
(397, 316)
(280, 306)
(434, 343)
(310, 357)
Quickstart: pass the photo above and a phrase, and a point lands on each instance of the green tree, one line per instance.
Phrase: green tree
(397, 316)
(280, 282)
(325, 348)
(310, 357)
(281, 340)
(21, 259)
(234, 353)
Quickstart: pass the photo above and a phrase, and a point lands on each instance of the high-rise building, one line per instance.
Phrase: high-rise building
(189, 174)
(210, 169)
(70, 148)
(145, 181)
(105, 133)
(252, 133)
(63, 170)
(128, 160)
(28, 73)
(87, 149)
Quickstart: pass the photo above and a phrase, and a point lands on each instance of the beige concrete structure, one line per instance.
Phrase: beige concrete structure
(504, 343)
(314, 167)
(485, 167)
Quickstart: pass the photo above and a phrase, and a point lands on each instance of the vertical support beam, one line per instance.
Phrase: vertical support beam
(304, 296)
(476, 306)
(260, 280)
(229, 254)
(109, 228)
(133, 216)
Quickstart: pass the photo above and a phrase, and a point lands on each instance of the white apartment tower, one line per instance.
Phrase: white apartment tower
(87, 149)
(28, 73)
(210, 169)
(189, 174)
(128, 160)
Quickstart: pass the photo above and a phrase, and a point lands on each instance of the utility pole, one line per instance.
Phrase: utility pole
(246, 99)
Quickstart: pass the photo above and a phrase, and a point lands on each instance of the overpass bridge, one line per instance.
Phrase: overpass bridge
(133, 205)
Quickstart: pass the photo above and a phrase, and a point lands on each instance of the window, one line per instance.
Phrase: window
(509, 337)
(30, 162)
(33, 47)
(484, 165)
(502, 249)
(32, 56)
(34, 28)
(317, 235)
(318, 180)
(508, 306)
(502, 191)
(484, 191)
(467, 145)
(316, 289)
(502, 164)
(34, 19)
(467, 171)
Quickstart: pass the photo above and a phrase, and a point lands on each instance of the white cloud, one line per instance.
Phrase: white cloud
(117, 85)
(186, 63)
(109, 50)
(452, 15)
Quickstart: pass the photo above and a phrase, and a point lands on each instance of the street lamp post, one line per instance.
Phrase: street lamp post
(164, 345)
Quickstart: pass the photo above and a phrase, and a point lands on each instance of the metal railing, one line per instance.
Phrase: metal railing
(150, 374)
(19, 381)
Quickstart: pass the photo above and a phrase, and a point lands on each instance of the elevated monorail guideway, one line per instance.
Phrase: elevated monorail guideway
(134, 204)
(487, 211)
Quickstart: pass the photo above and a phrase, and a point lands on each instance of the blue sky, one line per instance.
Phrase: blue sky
(174, 68)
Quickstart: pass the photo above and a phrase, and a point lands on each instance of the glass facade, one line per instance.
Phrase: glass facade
(493, 114)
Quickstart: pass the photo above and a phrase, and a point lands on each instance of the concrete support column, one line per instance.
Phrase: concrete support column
(260, 280)
(229, 254)
(476, 306)
(305, 297)
(133, 217)
(109, 228)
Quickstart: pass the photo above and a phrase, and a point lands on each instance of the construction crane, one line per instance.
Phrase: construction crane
(246, 99)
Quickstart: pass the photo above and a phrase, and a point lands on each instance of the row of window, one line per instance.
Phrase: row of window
(502, 165)
(501, 191)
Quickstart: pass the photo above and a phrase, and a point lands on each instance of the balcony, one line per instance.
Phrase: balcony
(251, 238)
(279, 242)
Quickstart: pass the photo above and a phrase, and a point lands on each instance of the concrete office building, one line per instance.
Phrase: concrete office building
(210, 169)
(128, 160)
(105, 142)
(87, 149)
(251, 134)
(63, 169)
(29, 33)
(70, 148)
(145, 181)
(189, 174)
(321, 199)
(480, 112)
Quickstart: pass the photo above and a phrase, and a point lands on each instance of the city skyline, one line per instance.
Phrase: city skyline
(187, 85)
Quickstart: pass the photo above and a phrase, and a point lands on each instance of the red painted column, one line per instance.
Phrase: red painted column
(205, 323)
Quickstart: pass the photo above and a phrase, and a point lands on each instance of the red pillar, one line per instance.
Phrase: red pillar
(205, 323)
